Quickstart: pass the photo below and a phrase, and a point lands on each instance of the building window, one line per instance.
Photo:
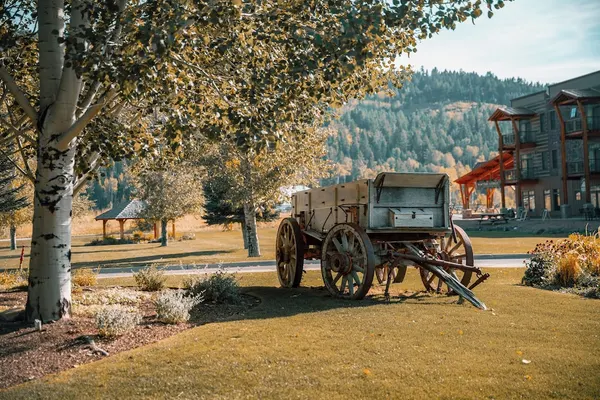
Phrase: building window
(547, 200)
(556, 196)
(578, 196)
(554, 159)
(542, 122)
(545, 161)
(529, 200)
(595, 191)
(552, 120)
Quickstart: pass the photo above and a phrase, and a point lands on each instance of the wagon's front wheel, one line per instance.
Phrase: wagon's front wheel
(289, 253)
(347, 262)
(460, 252)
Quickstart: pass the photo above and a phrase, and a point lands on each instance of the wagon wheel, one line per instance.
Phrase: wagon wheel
(460, 252)
(289, 253)
(347, 262)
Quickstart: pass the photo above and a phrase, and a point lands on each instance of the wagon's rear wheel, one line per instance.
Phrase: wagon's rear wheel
(347, 262)
(460, 252)
(289, 253)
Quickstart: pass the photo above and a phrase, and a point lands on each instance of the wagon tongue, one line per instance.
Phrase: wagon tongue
(454, 284)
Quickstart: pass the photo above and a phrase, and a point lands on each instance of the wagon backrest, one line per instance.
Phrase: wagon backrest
(409, 200)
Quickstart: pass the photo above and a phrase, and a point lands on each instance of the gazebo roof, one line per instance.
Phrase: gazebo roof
(128, 210)
(505, 113)
(568, 96)
(486, 170)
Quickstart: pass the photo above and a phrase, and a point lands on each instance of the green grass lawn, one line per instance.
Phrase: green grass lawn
(215, 246)
(303, 344)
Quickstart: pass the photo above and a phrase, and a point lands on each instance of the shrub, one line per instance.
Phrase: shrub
(84, 277)
(219, 287)
(568, 270)
(573, 263)
(13, 279)
(150, 279)
(139, 236)
(109, 240)
(116, 320)
(173, 307)
(144, 225)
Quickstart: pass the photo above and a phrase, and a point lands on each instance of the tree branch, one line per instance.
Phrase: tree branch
(18, 132)
(24, 173)
(18, 94)
(22, 151)
(94, 164)
(79, 125)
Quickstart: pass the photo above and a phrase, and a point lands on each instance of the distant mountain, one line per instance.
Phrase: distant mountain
(437, 122)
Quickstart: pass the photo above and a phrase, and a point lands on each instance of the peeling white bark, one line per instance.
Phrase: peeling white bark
(251, 231)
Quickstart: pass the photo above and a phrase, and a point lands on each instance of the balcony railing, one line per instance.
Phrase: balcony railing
(575, 168)
(510, 175)
(576, 125)
(524, 137)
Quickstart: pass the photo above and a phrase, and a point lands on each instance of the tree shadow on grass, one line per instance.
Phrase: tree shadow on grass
(144, 260)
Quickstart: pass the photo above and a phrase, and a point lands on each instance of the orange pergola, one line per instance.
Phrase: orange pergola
(486, 174)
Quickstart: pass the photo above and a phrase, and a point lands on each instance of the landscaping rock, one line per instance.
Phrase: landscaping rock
(12, 315)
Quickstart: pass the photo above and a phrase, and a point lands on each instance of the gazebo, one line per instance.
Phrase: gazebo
(123, 212)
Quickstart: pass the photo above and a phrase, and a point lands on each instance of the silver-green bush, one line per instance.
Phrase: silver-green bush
(220, 287)
(116, 320)
(173, 307)
(150, 279)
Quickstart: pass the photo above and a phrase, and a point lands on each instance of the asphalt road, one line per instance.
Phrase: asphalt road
(483, 261)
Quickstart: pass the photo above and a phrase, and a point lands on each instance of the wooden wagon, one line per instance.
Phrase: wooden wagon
(378, 228)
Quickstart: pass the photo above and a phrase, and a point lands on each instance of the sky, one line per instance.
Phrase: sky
(545, 41)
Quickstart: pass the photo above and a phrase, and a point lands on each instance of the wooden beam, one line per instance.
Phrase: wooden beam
(104, 228)
(501, 164)
(155, 230)
(173, 229)
(519, 201)
(586, 152)
(563, 152)
(122, 228)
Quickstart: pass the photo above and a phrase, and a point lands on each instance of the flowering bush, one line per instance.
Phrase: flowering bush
(568, 263)
(173, 307)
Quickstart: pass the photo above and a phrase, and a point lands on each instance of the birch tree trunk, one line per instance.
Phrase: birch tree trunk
(163, 232)
(13, 237)
(49, 296)
(250, 228)
(244, 234)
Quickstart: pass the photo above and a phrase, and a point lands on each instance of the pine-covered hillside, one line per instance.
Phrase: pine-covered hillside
(436, 122)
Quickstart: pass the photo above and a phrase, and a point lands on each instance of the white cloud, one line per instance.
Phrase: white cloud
(538, 40)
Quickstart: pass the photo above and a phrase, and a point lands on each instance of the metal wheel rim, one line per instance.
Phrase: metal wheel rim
(347, 262)
(460, 252)
(289, 253)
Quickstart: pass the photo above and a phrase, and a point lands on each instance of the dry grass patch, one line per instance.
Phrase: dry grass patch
(303, 344)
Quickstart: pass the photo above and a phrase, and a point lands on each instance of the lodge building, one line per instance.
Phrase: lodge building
(549, 151)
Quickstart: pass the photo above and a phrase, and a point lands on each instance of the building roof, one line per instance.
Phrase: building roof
(486, 170)
(566, 96)
(505, 113)
(128, 210)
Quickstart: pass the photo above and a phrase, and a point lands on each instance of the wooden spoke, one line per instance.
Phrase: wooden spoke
(289, 253)
(460, 252)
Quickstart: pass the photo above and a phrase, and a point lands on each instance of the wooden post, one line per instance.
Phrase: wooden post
(155, 230)
(122, 228)
(586, 152)
(519, 200)
(104, 228)
(502, 180)
(563, 152)
(173, 229)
